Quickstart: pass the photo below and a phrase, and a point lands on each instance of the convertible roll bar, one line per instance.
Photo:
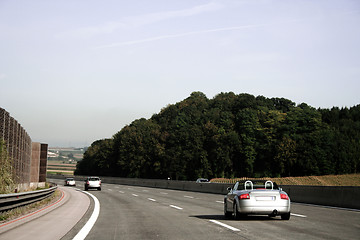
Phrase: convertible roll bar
(251, 184)
(271, 183)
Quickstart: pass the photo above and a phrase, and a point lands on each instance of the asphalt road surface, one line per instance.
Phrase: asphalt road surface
(129, 212)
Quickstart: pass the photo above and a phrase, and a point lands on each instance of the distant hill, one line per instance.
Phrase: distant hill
(231, 135)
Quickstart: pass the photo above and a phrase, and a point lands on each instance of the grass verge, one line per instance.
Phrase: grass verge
(327, 180)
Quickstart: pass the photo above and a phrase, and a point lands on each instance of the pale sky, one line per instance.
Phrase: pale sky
(76, 71)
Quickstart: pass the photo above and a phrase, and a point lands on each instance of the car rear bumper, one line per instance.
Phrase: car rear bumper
(264, 210)
(93, 185)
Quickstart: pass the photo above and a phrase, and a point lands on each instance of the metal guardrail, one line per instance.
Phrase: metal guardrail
(14, 200)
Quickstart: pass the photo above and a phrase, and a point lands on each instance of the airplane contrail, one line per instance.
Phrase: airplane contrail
(118, 44)
(162, 37)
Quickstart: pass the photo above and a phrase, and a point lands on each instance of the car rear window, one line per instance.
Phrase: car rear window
(94, 179)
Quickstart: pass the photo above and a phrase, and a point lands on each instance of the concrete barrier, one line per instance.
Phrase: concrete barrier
(345, 197)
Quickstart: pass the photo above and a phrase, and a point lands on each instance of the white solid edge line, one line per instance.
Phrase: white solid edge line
(225, 225)
(90, 223)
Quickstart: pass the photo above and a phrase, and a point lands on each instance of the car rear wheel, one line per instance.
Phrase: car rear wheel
(236, 213)
(99, 188)
(226, 212)
(285, 216)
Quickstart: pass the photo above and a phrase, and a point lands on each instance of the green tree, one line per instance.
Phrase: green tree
(231, 136)
(285, 157)
(97, 159)
(139, 150)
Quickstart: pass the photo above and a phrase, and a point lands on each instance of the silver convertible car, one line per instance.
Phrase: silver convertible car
(257, 197)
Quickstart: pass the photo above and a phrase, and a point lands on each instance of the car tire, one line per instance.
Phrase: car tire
(86, 188)
(285, 216)
(235, 211)
(238, 215)
(99, 188)
(226, 212)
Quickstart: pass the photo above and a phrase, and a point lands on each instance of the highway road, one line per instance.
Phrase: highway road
(130, 212)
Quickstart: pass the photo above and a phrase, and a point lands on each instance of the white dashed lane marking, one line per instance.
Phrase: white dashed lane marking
(297, 215)
(225, 225)
(176, 207)
(135, 195)
(188, 197)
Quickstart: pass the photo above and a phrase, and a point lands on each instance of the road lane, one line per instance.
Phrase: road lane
(130, 212)
(124, 216)
(127, 213)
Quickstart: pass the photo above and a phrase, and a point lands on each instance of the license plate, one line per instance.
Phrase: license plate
(265, 198)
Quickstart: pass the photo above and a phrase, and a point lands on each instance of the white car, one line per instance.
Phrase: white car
(70, 182)
(257, 197)
(92, 182)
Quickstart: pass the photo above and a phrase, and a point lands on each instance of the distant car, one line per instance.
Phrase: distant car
(70, 182)
(202, 180)
(92, 182)
(256, 198)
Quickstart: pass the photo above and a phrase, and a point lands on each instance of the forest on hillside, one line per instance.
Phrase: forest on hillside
(231, 135)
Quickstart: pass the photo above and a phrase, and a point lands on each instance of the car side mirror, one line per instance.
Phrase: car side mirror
(229, 189)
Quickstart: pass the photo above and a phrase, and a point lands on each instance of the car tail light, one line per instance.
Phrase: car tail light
(87, 182)
(244, 196)
(284, 196)
(100, 182)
